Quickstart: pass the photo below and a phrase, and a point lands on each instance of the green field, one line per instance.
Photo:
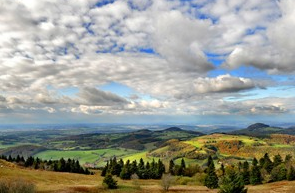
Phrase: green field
(137, 157)
(99, 157)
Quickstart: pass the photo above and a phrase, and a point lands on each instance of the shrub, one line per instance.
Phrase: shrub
(109, 182)
(16, 186)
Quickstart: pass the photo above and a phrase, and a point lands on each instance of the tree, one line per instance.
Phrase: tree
(279, 173)
(255, 174)
(105, 169)
(291, 173)
(277, 160)
(246, 173)
(166, 182)
(267, 165)
(171, 167)
(211, 179)
(160, 169)
(110, 182)
(222, 170)
(125, 173)
(288, 158)
(232, 182)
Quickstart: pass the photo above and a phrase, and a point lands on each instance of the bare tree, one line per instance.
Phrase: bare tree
(167, 181)
(134, 178)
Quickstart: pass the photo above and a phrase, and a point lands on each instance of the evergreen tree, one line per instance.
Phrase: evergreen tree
(288, 158)
(182, 163)
(10, 158)
(18, 159)
(232, 182)
(110, 182)
(141, 169)
(267, 165)
(279, 173)
(171, 167)
(240, 166)
(29, 162)
(125, 173)
(211, 179)
(141, 164)
(277, 160)
(62, 165)
(255, 174)
(133, 167)
(222, 170)
(291, 173)
(160, 169)
(246, 173)
(105, 169)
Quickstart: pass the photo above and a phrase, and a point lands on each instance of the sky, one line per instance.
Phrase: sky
(147, 61)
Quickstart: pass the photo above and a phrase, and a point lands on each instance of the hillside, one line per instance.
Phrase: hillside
(258, 130)
(56, 182)
(137, 140)
(94, 149)
(226, 148)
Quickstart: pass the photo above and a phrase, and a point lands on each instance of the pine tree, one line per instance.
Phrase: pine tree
(255, 174)
(160, 169)
(125, 173)
(211, 179)
(267, 165)
(17, 159)
(232, 182)
(222, 170)
(133, 167)
(277, 160)
(240, 166)
(279, 173)
(105, 169)
(110, 182)
(288, 158)
(141, 164)
(246, 173)
(171, 167)
(291, 174)
(182, 163)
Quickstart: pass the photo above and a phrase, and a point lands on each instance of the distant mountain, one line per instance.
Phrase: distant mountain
(258, 130)
(138, 140)
(257, 126)
(173, 129)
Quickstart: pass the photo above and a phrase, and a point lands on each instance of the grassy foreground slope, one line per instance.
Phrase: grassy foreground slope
(56, 182)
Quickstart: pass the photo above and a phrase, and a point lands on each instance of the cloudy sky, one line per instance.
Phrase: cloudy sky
(147, 61)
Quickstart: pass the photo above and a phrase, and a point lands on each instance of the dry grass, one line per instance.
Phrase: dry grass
(55, 182)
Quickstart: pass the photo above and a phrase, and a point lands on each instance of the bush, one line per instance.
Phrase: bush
(109, 182)
(16, 186)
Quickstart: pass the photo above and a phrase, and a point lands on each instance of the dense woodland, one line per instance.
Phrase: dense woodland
(229, 178)
(62, 165)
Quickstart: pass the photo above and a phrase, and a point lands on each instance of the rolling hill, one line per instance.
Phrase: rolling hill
(258, 130)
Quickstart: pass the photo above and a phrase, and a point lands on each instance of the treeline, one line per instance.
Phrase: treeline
(153, 170)
(233, 178)
(62, 165)
(228, 178)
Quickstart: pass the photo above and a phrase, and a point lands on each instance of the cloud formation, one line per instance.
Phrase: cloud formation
(55, 56)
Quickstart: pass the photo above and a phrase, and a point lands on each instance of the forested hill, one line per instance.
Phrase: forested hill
(137, 140)
(263, 130)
